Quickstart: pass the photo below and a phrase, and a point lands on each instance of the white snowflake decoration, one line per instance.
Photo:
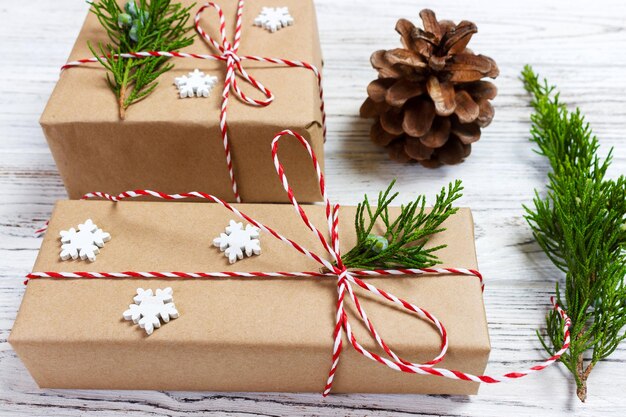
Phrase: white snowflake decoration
(84, 242)
(237, 241)
(149, 309)
(273, 18)
(195, 84)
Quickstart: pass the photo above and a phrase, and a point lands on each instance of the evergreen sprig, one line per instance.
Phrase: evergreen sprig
(155, 25)
(403, 243)
(580, 225)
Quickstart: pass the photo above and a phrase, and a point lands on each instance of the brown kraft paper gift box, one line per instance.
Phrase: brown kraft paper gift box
(236, 334)
(173, 144)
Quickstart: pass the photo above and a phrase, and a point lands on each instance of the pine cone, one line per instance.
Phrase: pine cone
(429, 101)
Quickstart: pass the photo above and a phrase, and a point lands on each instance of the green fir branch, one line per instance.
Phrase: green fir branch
(142, 25)
(404, 241)
(580, 225)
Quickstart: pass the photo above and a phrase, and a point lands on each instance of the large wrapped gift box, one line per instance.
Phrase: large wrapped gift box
(236, 334)
(173, 144)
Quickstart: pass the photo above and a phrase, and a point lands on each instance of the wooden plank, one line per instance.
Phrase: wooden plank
(577, 44)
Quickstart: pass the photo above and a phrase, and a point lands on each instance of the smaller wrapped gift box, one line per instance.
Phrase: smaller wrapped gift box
(171, 144)
(237, 334)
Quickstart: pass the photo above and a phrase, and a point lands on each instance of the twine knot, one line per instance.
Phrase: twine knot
(230, 54)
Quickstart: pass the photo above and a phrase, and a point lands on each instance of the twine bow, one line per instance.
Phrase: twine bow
(228, 53)
(346, 280)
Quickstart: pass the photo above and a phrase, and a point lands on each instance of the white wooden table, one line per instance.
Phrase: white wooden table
(578, 44)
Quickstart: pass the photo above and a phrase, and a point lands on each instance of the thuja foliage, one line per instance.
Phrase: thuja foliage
(155, 25)
(403, 241)
(580, 225)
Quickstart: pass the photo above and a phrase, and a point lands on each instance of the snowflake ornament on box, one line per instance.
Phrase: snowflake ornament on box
(149, 309)
(84, 242)
(237, 241)
(195, 84)
(273, 18)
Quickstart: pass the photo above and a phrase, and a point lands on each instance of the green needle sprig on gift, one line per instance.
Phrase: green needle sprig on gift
(157, 25)
(580, 225)
(404, 240)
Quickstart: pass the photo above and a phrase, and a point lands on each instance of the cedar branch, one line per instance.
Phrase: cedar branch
(580, 223)
(142, 25)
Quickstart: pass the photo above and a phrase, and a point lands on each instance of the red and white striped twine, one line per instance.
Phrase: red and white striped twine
(229, 54)
(345, 281)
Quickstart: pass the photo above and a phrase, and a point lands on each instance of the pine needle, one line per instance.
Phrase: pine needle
(580, 225)
(157, 25)
(403, 243)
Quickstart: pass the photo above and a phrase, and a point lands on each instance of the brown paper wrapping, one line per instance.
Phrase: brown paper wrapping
(174, 145)
(237, 334)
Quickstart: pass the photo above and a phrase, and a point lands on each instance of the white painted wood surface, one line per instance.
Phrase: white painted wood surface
(578, 44)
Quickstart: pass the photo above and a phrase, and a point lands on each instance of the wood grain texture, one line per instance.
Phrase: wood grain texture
(577, 44)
